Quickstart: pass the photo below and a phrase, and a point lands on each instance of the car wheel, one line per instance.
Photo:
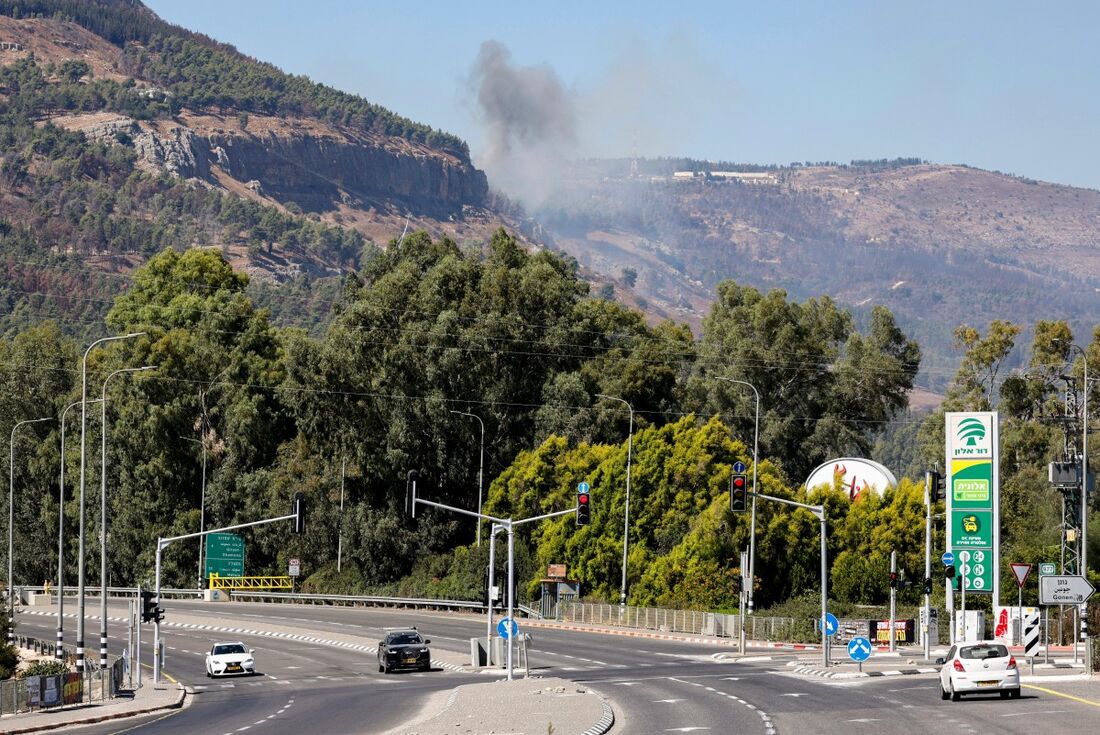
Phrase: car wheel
(1014, 693)
(426, 666)
(1006, 694)
(955, 696)
(943, 693)
(385, 668)
(380, 669)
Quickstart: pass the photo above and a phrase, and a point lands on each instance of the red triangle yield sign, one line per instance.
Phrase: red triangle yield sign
(1020, 572)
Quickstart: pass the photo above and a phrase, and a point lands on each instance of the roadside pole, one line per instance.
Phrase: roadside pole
(893, 598)
(742, 600)
(493, 531)
(158, 651)
(509, 526)
(927, 628)
(130, 643)
(819, 511)
(137, 655)
(964, 557)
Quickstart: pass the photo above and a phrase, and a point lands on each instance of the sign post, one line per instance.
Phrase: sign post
(972, 445)
(1020, 572)
(859, 650)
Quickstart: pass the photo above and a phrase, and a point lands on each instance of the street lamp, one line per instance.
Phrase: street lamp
(480, 468)
(83, 462)
(11, 525)
(103, 512)
(59, 654)
(626, 515)
(755, 462)
(202, 507)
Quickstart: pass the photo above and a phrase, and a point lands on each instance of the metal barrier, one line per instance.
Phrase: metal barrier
(32, 693)
(668, 620)
(218, 582)
(425, 603)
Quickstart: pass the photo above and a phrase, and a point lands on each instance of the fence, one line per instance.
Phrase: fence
(679, 621)
(47, 692)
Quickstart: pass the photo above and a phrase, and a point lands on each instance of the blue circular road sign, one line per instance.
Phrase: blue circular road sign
(859, 649)
(832, 625)
(948, 558)
(507, 628)
(738, 467)
(582, 487)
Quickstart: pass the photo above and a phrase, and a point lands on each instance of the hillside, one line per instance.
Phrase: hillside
(124, 135)
(939, 245)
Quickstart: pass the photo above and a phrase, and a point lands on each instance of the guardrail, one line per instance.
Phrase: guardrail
(669, 620)
(424, 603)
(111, 591)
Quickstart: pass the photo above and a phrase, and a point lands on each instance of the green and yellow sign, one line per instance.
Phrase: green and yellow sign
(973, 497)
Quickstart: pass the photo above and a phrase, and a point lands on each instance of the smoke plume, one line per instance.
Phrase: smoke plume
(530, 120)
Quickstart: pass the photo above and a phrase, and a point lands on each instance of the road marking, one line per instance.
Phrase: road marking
(866, 719)
(794, 694)
(687, 729)
(1041, 712)
(667, 701)
(1066, 696)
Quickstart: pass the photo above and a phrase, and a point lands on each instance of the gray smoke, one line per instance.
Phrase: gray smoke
(530, 120)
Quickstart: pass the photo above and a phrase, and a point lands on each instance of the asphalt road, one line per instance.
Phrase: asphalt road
(658, 686)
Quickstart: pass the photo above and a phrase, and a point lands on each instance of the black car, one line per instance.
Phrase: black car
(403, 648)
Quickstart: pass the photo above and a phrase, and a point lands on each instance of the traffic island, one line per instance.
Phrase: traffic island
(520, 707)
(145, 701)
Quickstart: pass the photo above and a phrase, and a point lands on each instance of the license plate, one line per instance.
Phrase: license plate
(233, 667)
(410, 660)
(988, 683)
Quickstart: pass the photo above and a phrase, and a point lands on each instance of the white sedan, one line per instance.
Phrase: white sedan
(977, 668)
(230, 659)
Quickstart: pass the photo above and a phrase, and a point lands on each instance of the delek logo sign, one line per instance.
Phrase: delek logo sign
(971, 437)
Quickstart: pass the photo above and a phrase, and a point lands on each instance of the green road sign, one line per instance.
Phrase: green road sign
(224, 555)
(1047, 569)
(977, 570)
(972, 529)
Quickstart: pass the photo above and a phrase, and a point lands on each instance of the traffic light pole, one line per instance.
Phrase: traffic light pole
(819, 511)
(893, 598)
(158, 663)
(927, 565)
(508, 525)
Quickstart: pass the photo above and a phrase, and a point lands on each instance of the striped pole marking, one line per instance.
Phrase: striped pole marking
(1031, 634)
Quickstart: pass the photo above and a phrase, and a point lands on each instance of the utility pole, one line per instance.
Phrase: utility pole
(893, 597)
(929, 495)
(480, 467)
(202, 507)
(493, 531)
(755, 463)
(11, 525)
(340, 526)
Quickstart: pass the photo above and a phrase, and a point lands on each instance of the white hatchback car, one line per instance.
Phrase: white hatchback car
(976, 668)
(230, 659)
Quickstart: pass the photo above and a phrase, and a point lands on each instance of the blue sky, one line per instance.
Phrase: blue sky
(1012, 86)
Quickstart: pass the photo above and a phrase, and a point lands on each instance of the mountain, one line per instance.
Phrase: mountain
(940, 245)
(123, 135)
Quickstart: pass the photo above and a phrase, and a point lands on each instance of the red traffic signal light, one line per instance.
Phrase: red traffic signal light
(584, 510)
(894, 580)
(739, 491)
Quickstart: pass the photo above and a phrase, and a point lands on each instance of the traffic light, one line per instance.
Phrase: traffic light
(739, 490)
(893, 580)
(927, 585)
(584, 511)
(949, 571)
(299, 511)
(149, 610)
(935, 486)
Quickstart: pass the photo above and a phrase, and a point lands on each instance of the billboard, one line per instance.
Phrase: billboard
(973, 499)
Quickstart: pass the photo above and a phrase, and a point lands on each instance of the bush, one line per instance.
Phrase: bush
(46, 667)
(9, 659)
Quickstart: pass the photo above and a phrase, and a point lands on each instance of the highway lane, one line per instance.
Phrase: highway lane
(337, 687)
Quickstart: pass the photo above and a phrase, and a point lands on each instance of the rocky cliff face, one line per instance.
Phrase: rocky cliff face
(314, 166)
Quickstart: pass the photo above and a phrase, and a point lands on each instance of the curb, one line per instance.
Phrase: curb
(103, 718)
(826, 674)
(606, 721)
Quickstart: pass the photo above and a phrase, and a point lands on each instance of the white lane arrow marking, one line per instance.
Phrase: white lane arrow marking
(731, 678)
(667, 701)
(794, 694)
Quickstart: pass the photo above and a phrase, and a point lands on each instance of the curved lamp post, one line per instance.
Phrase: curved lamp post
(11, 525)
(480, 468)
(83, 462)
(103, 512)
(626, 515)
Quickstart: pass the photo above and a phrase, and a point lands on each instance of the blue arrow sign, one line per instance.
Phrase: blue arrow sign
(507, 628)
(738, 467)
(582, 487)
(948, 559)
(859, 649)
(831, 624)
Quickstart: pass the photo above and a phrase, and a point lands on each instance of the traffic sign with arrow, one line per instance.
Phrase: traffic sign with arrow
(1064, 590)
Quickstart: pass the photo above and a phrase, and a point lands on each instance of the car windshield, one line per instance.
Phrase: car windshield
(228, 648)
(402, 639)
(994, 650)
